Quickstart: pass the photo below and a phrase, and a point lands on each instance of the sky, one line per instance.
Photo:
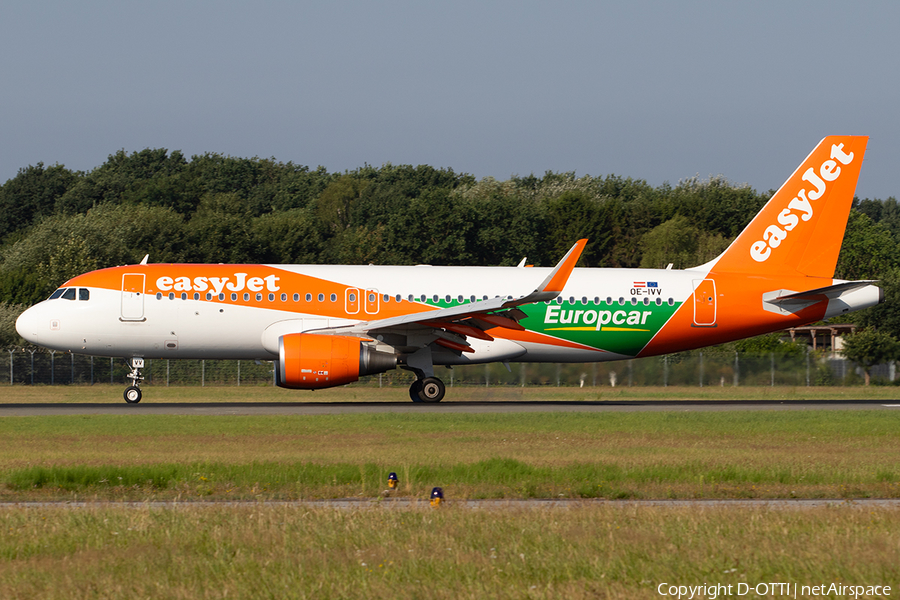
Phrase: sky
(659, 91)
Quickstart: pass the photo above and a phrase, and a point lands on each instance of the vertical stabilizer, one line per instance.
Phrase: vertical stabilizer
(800, 229)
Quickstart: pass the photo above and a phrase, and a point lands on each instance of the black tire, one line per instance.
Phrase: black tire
(432, 390)
(132, 394)
(414, 390)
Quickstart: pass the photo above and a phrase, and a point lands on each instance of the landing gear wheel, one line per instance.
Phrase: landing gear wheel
(414, 390)
(132, 394)
(432, 390)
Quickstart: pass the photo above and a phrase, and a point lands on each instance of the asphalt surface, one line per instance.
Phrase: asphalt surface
(338, 408)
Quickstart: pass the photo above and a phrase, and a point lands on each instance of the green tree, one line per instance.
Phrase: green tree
(886, 316)
(289, 237)
(868, 250)
(63, 246)
(678, 242)
(32, 194)
(334, 206)
(8, 315)
(122, 178)
(869, 347)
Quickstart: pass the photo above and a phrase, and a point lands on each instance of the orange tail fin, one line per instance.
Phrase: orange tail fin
(800, 229)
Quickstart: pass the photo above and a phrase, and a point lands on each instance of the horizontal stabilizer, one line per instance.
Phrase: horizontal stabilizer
(830, 292)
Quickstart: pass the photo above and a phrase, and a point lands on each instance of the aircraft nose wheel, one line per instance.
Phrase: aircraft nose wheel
(430, 389)
(132, 394)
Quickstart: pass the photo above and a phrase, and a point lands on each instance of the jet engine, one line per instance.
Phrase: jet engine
(310, 361)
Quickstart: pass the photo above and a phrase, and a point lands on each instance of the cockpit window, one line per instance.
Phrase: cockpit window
(56, 294)
(84, 294)
(69, 294)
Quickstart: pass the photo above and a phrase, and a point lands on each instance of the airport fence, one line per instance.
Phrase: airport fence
(35, 366)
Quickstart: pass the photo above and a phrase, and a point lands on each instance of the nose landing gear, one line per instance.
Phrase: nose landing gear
(428, 389)
(133, 392)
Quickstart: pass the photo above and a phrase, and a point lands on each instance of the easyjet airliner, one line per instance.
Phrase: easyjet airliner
(327, 325)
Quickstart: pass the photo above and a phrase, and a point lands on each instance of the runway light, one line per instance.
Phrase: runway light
(437, 496)
(393, 481)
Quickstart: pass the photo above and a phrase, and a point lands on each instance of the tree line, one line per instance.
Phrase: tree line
(56, 223)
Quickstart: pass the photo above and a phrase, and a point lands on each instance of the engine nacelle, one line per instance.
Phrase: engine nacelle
(309, 361)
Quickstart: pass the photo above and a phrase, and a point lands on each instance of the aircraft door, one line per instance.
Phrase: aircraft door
(351, 301)
(133, 297)
(704, 303)
(371, 302)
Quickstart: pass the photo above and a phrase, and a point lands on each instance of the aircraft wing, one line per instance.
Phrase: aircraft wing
(450, 326)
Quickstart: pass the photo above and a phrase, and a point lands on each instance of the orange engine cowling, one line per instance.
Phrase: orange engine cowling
(310, 361)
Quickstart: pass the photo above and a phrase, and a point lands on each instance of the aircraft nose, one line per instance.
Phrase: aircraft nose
(27, 325)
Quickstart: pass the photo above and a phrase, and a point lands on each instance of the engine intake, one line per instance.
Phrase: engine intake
(310, 361)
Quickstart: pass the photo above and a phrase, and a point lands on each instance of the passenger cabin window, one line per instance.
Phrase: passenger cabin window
(56, 294)
(69, 294)
(84, 294)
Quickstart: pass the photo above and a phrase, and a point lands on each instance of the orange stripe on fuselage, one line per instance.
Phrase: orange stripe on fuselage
(252, 279)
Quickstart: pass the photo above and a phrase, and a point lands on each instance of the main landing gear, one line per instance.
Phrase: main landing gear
(428, 389)
(133, 392)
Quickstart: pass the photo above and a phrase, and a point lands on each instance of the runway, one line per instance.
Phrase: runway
(340, 408)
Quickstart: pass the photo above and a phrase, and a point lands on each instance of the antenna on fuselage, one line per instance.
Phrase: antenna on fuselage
(146, 257)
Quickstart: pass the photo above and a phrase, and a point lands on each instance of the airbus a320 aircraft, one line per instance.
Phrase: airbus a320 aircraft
(326, 325)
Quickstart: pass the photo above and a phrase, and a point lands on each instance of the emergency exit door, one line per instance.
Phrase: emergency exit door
(704, 303)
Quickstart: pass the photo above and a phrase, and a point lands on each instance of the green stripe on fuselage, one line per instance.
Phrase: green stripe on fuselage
(624, 328)
(620, 328)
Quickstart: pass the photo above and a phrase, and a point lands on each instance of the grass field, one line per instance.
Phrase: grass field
(754, 454)
(297, 552)
(263, 550)
(112, 394)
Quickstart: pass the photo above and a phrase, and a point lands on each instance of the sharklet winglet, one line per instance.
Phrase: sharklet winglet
(556, 280)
